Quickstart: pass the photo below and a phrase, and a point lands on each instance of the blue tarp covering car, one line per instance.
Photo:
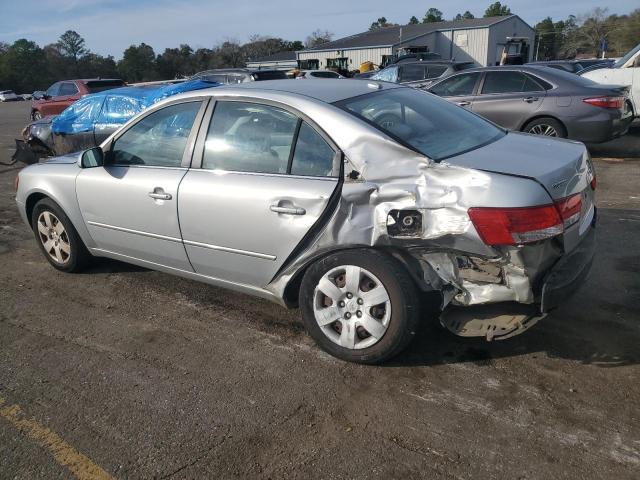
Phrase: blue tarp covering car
(89, 121)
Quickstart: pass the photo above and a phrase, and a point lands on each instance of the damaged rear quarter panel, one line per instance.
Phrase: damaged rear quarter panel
(393, 177)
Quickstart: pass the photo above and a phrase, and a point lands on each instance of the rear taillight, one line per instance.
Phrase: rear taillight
(606, 102)
(516, 226)
(570, 209)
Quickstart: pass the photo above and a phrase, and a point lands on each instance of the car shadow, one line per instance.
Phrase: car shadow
(627, 146)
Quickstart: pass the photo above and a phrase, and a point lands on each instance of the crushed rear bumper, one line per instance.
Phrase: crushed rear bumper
(566, 276)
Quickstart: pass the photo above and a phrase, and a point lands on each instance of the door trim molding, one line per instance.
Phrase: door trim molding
(248, 253)
(135, 232)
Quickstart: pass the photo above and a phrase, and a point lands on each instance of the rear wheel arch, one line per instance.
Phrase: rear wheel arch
(291, 293)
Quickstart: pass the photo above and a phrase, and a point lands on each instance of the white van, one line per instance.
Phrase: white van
(625, 71)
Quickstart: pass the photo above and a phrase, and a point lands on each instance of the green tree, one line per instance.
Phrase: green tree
(318, 37)
(432, 15)
(138, 64)
(72, 46)
(464, 16)
(497, 10)
(414, 20)
(24, 67)
(380, 23)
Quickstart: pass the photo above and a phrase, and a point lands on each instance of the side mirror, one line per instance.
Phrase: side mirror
(92, 158)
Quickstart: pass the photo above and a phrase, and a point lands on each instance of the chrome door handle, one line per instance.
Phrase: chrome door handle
(530, 99)
(463, 104)
(159, 194)
(288, 210)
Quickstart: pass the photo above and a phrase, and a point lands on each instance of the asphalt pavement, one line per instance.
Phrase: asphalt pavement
(122, 372)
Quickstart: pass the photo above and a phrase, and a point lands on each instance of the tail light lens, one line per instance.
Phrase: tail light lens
(606, 102)
(516, 226)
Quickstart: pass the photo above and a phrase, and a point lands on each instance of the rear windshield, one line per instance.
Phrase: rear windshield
(423, 122)
(269, 75)
(95, 86)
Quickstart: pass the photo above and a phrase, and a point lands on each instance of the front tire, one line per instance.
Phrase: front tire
(57, 238)
(360, 305)
(36, 115)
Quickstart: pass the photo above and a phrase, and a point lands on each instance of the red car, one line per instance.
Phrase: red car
(62, 94)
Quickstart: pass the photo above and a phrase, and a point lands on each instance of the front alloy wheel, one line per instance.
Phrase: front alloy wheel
(54, 238)
(58, 238)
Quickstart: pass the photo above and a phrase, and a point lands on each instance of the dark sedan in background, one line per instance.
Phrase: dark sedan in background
(542, 101)
(421, 73)
(229, 76)
(574, 66)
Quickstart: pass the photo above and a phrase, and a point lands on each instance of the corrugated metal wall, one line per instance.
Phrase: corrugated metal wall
(480, 45)
(513, 27)
(356, 57)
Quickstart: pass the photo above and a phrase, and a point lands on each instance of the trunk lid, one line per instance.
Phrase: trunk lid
(560, 166)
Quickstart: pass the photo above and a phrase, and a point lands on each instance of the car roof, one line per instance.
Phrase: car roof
(236, 70)
(431, 62)
(328, 90)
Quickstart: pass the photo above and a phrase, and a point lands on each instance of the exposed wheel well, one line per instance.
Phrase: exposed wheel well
(538, 117)
(633, 112)
(292, 290)
(31, 202)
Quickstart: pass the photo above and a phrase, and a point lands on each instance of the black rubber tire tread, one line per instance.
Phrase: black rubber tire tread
(405, 304)
(80, 257)
(559, 127)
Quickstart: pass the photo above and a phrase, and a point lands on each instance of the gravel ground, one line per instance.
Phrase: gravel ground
(131, 373)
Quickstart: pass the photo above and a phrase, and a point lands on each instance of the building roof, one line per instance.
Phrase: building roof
(388, 36)
(276, 57)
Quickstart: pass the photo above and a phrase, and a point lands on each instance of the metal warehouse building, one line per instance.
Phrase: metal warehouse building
(480, 40)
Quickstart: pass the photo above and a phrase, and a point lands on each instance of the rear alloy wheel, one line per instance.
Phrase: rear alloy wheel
(359, 305)
(546, 127)
(57, 237)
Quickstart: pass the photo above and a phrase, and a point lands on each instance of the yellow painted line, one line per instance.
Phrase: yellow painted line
(80, 465)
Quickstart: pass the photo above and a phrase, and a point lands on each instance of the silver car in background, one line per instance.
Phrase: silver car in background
(355, 201)
(541, 100)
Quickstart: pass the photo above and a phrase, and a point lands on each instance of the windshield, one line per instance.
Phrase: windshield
(626, 58)
(423, 122)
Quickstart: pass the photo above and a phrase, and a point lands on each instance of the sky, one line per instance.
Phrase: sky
(110, 26)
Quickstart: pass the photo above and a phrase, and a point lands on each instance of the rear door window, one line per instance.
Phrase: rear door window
(249, 137)
(508, 82)
(312, 156)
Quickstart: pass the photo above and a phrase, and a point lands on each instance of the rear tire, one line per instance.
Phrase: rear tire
(546, 127)
(360, 305)
(57, 238)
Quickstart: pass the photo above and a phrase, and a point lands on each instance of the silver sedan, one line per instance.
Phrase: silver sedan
(360, 202)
